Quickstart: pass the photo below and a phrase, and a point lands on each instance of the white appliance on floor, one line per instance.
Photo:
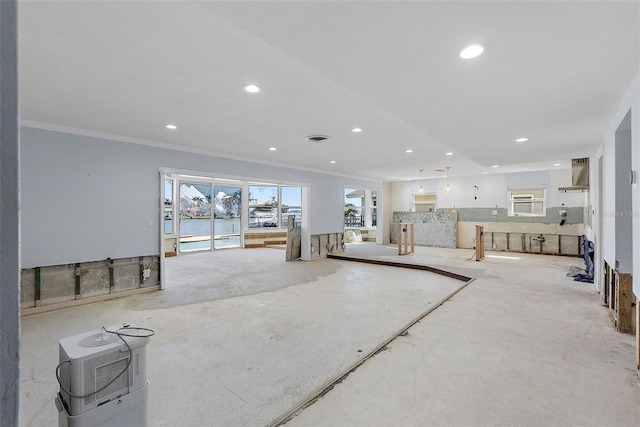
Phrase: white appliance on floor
(103, 378)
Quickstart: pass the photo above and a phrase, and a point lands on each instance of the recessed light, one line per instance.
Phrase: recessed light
(484, 173)
(356, 130)
(273, 149)
(172, 127)
(471, 51)
(557, 164)
(408, 151)
(332, 161)
(251, 88)
(494, 166)
(449, 154)
(523, 139)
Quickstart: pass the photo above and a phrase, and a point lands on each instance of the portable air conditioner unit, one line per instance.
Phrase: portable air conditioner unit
(90, 361)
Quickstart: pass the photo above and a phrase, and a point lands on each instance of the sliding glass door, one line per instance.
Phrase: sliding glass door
(227, 203)
(195, 225)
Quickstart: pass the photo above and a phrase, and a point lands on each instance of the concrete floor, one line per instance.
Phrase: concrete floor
(243, 337)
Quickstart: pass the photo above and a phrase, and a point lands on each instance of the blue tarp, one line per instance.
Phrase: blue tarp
(586, 274)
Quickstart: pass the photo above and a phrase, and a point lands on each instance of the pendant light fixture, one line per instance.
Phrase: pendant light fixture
(421, 189)
(448, 188)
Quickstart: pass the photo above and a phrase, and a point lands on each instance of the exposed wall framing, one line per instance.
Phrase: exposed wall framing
(58, 286)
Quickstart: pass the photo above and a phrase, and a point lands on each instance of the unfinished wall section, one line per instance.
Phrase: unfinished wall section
(324, 244)
(59, 286)
(436, 229)
(555, 233)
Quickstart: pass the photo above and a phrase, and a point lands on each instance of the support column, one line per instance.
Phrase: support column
(9, 218)
(638, 333)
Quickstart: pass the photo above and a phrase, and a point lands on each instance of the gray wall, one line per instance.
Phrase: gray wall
(623, 194)
(87, 198)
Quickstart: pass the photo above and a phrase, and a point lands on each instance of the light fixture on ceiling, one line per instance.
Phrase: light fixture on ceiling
(251, 88)
(471, 51)
(557, 164)
(408, 151)
(421, 189)
(484, 173)
(317, 138)
(448, 154)
(332, 162)
(523, 139)
(356, 130)
(172, 127)
(448, 188)
(494, 166)
(273, 149)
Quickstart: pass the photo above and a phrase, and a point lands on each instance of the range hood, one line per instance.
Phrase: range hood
(579, 175)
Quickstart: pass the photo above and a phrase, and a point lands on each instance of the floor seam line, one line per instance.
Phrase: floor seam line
(328, 386)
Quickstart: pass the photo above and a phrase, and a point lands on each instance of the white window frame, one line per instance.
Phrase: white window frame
(527, 195)
(365, 210)
(278, 207)
(417, 202)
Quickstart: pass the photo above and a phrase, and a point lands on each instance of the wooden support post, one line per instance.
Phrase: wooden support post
(405, 236)
(604, 286)
(412, 239)
(624, 298)
(479, 243)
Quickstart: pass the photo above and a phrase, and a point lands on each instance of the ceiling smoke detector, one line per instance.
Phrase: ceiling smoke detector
(317, 138)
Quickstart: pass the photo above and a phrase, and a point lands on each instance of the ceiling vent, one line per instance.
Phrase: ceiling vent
(579, 175)
(317, 138)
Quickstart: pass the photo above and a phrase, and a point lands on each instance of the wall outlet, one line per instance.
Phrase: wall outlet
(494, 246)
(563, 212)
(494, 212)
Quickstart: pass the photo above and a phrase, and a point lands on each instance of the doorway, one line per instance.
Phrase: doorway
(194, 217)
(227, 223)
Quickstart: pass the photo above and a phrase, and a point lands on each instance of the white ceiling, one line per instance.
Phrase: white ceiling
(555, 71)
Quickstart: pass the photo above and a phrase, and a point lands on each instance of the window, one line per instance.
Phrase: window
(263, 206)
(374, 208)
(527, 202)
(168, 206)
(291, 205)
(360, 208)
(271, 205)
(425, 202)
(353, 207)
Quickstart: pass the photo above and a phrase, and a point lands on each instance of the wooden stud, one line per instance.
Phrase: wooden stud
(413, 248)
(112, 280)
(559, 245)
(479, 243)
(404, 229)
(38, 286)
(624, 298)
(77, 281)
